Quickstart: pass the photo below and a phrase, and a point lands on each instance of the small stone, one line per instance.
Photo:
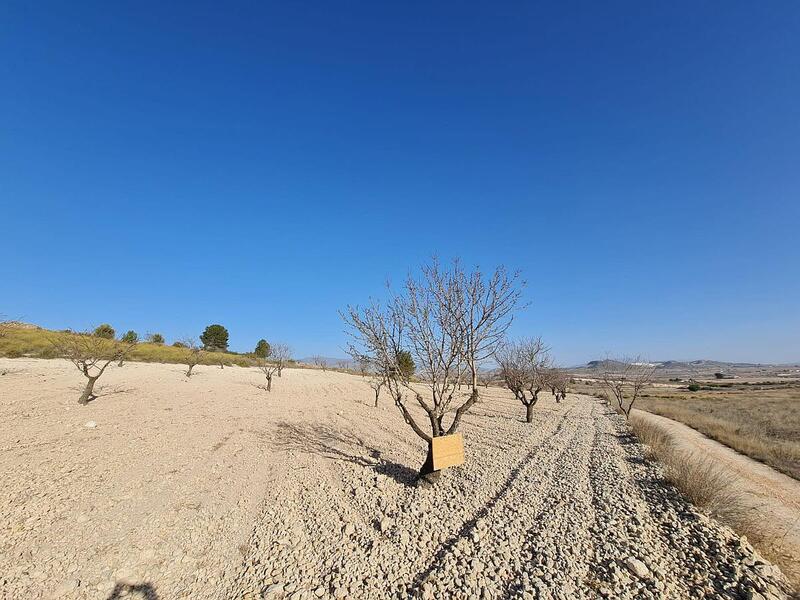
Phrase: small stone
(90, 424)
(637, 567)
(385, 524)
(274, 590)
(319, 592)
(349, 529)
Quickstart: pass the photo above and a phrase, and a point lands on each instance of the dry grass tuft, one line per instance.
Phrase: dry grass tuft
(701, 481)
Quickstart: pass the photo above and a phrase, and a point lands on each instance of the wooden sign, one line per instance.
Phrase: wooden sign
(447, 451)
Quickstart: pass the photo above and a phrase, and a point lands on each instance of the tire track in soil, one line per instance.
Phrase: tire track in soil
(558, 535)
(500, 514)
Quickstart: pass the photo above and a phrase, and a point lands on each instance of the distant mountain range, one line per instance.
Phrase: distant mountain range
(692, 365)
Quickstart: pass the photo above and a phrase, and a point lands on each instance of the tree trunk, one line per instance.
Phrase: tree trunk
(427, 476)
(189, 372)
(529, 413)
(269, 383)
(377, 393)
(88, 392)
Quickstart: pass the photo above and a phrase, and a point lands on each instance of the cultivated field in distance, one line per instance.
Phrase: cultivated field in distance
(754, 410)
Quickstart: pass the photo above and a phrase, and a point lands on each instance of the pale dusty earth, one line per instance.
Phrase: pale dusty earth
(771, 496)
(210, 487)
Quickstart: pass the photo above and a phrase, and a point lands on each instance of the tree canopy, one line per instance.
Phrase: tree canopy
(105, 331)
(263, 349)
(215, 337)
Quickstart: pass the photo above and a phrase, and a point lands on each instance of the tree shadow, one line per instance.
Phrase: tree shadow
(144, 591)
(339, 444)
(102, 392)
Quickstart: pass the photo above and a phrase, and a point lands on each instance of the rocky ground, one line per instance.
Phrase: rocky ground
(212, 488)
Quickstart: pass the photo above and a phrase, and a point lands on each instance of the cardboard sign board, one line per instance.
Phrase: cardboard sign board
(448, 451)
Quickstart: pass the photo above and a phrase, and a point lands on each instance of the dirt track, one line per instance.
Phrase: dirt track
(212, 488)
(773, 496)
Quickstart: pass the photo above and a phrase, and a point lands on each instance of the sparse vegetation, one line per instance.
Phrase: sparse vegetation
(91, 354)
(36, 342)
(759, 421)
(130, 337)
(626, 379)
(699, 479)
(154, 338)
(376, 382)
(192, 352)
(280, 355)
(269, 369)
(558, 381)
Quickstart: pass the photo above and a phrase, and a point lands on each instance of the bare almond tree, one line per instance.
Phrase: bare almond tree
(557, 380)
(376, 382)
(626, 378)
(363, 368)
(448, 320)
(280, 354)
(91, 355)
(269, 368)
(524, 368)
(319, 361)
(486, 377)
(192, 354)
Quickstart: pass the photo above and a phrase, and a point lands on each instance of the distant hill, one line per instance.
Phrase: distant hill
(329, 360)
(689, 367)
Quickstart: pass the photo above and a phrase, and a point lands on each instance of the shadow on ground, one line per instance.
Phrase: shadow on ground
(339, 444)
(136, 591)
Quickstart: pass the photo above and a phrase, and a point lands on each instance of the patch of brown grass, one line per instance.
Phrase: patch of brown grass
(699, 479)
(760, 419)
(764, 426)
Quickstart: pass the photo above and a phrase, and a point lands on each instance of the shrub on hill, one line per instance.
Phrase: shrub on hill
(105, 331)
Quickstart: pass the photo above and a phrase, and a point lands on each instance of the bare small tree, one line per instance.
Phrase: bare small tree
(280, 354)
(192, 354)
(363, 367)
(486, 377)
(268, 368)
(626, 378)
(557, 381)
(524, 368)
(376, 382)
(320, 362)
(448, 321)
(91, 355)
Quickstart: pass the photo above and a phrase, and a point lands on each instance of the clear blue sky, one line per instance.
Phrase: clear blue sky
(261, 165)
